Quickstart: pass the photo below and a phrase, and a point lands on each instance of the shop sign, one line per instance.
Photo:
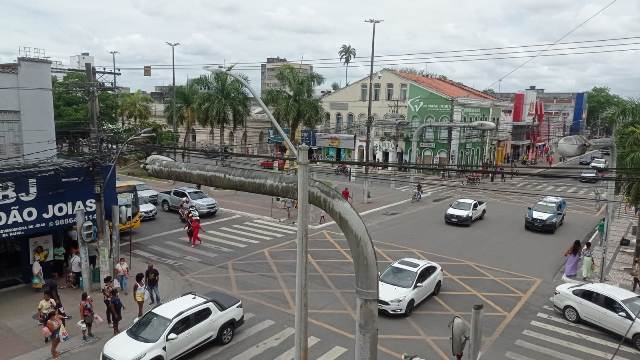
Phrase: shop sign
(338, 141)
(46, 242)
(41, 201)
(429, 145)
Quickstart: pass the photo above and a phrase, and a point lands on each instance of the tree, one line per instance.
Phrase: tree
(184, 109)
(346, 53)
(135, 106)
(335, 86)
(599, 100)
(222, 102)
(490, 92)
(295, 104)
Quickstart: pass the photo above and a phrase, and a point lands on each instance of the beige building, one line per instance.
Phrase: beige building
(270, 68)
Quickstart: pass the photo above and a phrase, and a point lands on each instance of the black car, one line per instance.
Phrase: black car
(586, 160)
(605, 151)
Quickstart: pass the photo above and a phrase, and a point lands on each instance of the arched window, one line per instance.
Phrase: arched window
(349, 123)
(338, 122)
(427, 133)
(444, 131)
(231, 139)
(327, 122)
(243, 142)
(362, 124)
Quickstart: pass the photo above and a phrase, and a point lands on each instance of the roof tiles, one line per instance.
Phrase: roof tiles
(446, 87)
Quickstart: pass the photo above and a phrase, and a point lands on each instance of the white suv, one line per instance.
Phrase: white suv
(175, 328)
(406, 283)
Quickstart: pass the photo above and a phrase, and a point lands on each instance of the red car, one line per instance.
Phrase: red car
(268, 164)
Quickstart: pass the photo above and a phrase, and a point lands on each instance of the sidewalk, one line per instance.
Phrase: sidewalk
(21, 338)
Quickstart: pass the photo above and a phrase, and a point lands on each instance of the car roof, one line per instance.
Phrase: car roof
(187, 189)
(465, 200)
(174, 307)
(610, 290)
(412, 264)
(551, 199)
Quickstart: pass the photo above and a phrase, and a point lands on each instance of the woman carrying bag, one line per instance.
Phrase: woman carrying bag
(139, 291)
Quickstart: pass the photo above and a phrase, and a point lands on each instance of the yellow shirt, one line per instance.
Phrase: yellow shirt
(45, 306)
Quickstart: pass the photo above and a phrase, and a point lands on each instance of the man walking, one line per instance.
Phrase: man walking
(152, 277)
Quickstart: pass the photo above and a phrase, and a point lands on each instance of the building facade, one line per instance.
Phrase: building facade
(27, 130)
(269, 70)
(78, 61)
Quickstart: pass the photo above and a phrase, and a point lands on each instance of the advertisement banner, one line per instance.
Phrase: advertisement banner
(39, 201)
(341, 141)
(46, 242)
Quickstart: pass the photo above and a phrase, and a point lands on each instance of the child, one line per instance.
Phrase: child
(116, 308)
(86, 314)
(196, 227)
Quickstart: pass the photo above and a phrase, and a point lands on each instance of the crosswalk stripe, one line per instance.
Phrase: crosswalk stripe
(269, 343)
(545, 351)
(187, 248)
(522, 184)
(248, 316)
(214, 247)
(226, 242)
(549, 188)
(270, 228)
(540, 186)
(333, 353)
(403, 188)
(573, 189)
(171, 252)
(570, 345)
(547, 307)
(516, 356)
(258, 231)
(563, 321)
(583, 336)
(561, 188)
(288, 355)
(156, 258)
(232, 236)
(276, 225)
(241, 335)
(582, 191)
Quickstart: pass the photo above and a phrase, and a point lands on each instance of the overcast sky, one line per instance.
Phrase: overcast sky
(232, 31)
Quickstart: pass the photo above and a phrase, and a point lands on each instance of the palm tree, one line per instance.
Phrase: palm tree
(136, 107)
(295, 104)
(185, 109)
(347, 53)
(222, 102)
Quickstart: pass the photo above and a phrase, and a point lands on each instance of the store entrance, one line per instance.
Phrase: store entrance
(10, 262)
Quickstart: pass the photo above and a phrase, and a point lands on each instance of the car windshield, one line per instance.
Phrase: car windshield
(197, 195)
(144, 200)
(633, 304)
(545, 208)
(397, 276)
(149, 328)
(459, 205)
(142, 187)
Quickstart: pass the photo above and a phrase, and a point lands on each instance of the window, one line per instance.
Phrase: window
(327, 121)
(613, 305)
(389, 92)
(363, 92)
(181, 325)
(149, 328)
(179, 194)
(444, 132)
(376, 92)
(403, 92)
(349, 123)
(338, 122)
(201, 315)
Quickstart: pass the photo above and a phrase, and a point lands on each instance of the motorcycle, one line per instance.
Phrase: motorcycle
(342, 170)
(417, 196)
(184, 213)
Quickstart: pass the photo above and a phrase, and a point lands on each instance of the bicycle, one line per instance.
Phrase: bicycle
(416, 196)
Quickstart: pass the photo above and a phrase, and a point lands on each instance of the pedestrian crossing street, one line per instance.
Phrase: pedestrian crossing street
(550, 336)
(224, 240)
(266, 339)
(426, 189)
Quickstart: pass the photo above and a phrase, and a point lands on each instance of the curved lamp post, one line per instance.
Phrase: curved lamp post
(144, 134)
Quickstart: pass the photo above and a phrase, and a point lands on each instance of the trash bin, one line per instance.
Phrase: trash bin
(95, 275)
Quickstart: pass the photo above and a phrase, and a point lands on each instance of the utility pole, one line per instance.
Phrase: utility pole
(476, 332)
(115, 87)
(173, 98)
(609, 207)
(369, 118)
(84, 252)
(302, 250)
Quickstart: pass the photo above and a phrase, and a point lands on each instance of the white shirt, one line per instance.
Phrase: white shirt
(76, 264)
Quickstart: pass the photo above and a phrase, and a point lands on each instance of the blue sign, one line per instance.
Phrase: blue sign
(40, 201)
(308, 137)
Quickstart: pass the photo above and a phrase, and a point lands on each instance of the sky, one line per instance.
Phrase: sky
(236, 32)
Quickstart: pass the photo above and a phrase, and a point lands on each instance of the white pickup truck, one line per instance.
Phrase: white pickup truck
(465, 211)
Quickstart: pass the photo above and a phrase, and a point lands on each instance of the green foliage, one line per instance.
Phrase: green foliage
(626, 113)
(335, 86)
(599, 101)
(295, 104)
(346, 53)
(489, 92)
(135, 106)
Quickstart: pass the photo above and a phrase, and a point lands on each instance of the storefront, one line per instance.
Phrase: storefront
(336, 147)
(37, 208)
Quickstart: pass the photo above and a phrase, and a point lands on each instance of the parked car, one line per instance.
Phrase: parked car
(589, 176)
(406, 283)
(465, 211)
(586, 160)
(605, 151)
(599, 164)
(146, 192)
(170, 200)
(600, 304)
(148, 211)
(546, 215)
(268, 164)
(178, 327)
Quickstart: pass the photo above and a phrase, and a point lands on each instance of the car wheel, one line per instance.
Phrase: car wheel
(553, 230)
(571, 314)
(436, 290)
(636, 341)
(165, 206)
(526, 227)
(409, 309)
(225, 334)
(482, 215)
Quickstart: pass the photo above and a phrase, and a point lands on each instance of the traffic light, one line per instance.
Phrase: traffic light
(459, 335)
(147, 70)
(87, 231)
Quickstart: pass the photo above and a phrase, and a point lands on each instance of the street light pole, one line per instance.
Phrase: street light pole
(369, 119)
(115, 87)
(173, 97)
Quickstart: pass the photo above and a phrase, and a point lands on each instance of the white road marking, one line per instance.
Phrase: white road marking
(547, 307)
(248, 316)
(288, 355)
(316, 227)
(522, 184)
(171, 252)
(333, 353)
(241, 335)
(583, 336)
(156, 258)
(270, 228)
(402, 188)
(270, 223)
(570, 345)
(188, 248)
(269, 343)
(226, 242)
(233, 237)
(561, 188)
(546, 351)
(573, 189)
(564, 322)
(582, 191)
(247, 233)
(540, 186)
(516, 356)
(257, 230)
(549, 188)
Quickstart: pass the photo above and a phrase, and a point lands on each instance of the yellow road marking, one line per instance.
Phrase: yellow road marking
(283, 286)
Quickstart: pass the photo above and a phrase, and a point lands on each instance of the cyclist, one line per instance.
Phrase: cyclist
(418, 193)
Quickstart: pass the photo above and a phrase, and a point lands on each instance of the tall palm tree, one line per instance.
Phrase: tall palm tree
(185, 109)
(222, 102)
(136, 106)
(347, 53)
(295, 104)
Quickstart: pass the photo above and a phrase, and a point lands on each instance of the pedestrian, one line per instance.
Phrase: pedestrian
(122, 274)
(58, 260)
(189, 227)
(502, 174)
(152, 277)
(116, 308)
(106, 293)
(573, 257)
(587, 262)
(86, 314)
(45, 306)
(37, 280)
(322, 215)
(289, 205)
(92, 251)
(196, 226)
(54, 324)
(76, 269)
(635, 272)
(345, 194)
(138, 292)
(51, 287)
(601, 227)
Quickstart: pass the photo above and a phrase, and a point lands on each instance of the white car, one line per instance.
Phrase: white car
(406, 283)
(148, 211)
(465, 211)
(146, 192)
(603, 305)
(176, 328)
(599, 164)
